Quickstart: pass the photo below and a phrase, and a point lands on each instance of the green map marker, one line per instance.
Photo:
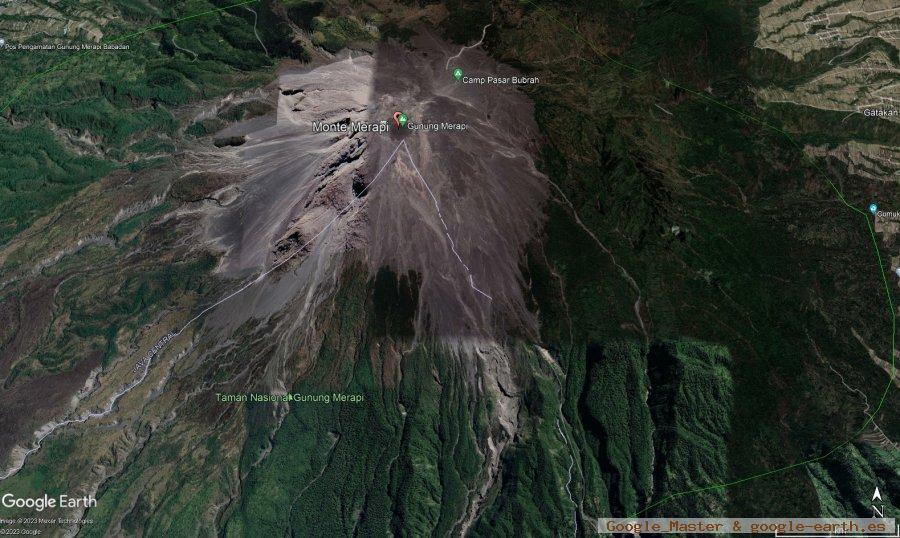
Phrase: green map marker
(402, 119)
(457, 73)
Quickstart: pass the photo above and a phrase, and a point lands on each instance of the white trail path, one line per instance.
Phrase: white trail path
(444, 223)
(462, 50)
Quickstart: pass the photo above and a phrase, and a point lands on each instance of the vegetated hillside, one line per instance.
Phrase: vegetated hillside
(70, 115)
(90, 148)
(731, 234)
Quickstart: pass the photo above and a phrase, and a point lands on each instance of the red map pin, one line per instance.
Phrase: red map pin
(400, 119)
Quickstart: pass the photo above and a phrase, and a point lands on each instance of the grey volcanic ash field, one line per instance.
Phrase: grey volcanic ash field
(345, 262)
(453, 206)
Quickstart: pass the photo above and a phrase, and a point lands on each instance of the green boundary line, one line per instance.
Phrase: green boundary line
(56, 67)
(864, 214)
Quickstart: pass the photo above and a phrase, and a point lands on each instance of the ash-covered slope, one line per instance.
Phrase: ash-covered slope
(367, 321)
(399, 279)
(482, 179)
